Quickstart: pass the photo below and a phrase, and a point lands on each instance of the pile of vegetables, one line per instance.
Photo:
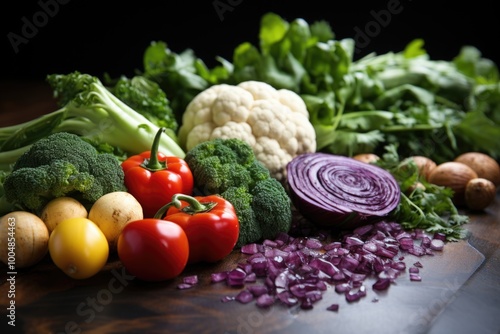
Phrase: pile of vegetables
(183, 164)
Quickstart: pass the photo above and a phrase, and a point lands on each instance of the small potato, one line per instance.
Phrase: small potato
(112, 212)
(23, 237)
(485, 166)
(454, 175)
(479, 193)
(60, 209)
(366, 157)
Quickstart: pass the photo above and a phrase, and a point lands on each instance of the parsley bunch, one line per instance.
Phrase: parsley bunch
(428, 207)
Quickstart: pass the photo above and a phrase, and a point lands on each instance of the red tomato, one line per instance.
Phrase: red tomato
(153, 249)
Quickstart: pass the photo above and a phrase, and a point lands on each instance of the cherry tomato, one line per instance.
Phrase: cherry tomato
(153, 249)
(78, 247)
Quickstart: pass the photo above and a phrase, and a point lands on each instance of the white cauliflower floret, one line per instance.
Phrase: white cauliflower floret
(274, 122)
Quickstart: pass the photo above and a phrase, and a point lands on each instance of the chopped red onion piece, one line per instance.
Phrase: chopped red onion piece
(353, 241)
(398, 265)
(226, 299)
(313, 243)
(270, 243)
(333, 307)
(257, 290)
(417, 250)
(306, 304)
(314, 295)
(249, 248)
(247, 267)
(342, 287)
(406, 243)
(370, 246)
(193, 279)
(325, 266)
(218, 277)
(415, 277)
(184, 286)
(440, 236)
(426, 241)
(414, 270)
(251, 278)
(287, 298)
(244, 296)
(381, 284)
(355, 294)
(437, 244)
(265, 300)
(236, 277)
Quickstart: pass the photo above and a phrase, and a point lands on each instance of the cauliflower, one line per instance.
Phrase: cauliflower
(274, 122)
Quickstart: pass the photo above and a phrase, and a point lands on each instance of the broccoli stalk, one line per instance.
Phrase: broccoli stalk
(228, 167)
(90, 110)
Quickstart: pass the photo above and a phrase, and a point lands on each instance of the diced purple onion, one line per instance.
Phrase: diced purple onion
(244, 296)
(381, 284)
(333, 307)
(297, 271)
(218, 277)
(265, 300)
(437, 244)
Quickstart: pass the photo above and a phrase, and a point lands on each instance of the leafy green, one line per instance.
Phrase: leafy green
(428, 207)
(428, 107)
(181, 76)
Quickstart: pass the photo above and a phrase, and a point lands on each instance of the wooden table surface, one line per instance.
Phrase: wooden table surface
(459, 291)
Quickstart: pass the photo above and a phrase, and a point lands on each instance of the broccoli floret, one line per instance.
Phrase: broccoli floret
(5, 206)
(242, 202)
(265, 193)
(61, 164)
(229, 167)
(90, 110)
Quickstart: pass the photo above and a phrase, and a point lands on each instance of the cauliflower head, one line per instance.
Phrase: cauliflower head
(275, 122)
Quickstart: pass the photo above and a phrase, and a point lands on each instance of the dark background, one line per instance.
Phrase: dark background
(98, 37)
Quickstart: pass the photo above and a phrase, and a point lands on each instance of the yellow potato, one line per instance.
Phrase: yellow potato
(60, 209)
(112, 212)
(24, 239)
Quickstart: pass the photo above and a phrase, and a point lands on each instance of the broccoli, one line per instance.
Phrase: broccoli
(61, 164)
(5, 206)
(228, 167)
(90, 110)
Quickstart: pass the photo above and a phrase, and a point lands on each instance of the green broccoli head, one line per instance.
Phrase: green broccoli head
(230, 168)
(272, 207)
(242, 202)
(222, 163)
(62, 164)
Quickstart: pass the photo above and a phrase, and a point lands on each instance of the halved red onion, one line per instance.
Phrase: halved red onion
(341, 192)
